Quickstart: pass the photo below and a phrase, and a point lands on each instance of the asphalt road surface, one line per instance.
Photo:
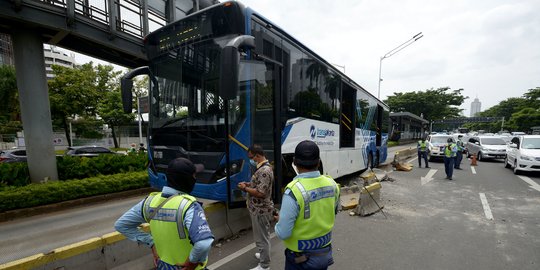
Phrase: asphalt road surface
(486, 218)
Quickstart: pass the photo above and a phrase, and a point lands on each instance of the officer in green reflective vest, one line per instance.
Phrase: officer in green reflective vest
(307, 214)
(423, 149)
(449, 157)
(180, 236)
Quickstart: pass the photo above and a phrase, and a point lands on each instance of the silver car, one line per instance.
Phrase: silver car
(486, 147)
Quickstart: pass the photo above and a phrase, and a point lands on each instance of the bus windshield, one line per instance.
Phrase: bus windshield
(187, 110)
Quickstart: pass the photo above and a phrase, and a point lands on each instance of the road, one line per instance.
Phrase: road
(431, 224)
(486, 218)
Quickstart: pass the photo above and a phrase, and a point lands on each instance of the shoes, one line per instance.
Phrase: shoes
(258, 255)
(459, 169)
(449, 178)
(427, 167)
(259, 267)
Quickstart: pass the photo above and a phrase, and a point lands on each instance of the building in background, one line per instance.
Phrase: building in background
(54, 56)
(6, 50)
(476, 107)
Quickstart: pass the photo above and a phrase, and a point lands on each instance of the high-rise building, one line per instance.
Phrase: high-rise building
(54, 56)
(476, 107)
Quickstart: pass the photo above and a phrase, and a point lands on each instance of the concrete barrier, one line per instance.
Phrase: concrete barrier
(113, 251)
(404, 154)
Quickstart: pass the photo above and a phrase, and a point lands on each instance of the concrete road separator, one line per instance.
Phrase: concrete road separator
(114, 251)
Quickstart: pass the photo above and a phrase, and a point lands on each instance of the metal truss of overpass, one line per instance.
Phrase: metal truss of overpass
(111, 30)
(464, 120)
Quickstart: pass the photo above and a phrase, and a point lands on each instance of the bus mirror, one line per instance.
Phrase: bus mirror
(230, 62)
(126, 85)
(228, 83)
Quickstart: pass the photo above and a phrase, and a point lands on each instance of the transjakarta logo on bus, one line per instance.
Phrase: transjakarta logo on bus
(320, 133)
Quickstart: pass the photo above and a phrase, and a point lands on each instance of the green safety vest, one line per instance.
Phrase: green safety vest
(460, 145)
(171, 238)
(449, 153)
(423, 146)
(317, 199)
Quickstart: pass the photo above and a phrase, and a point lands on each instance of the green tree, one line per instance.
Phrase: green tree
(9, 101)
(526, 118)
(73, 92)
(112, 113)
(433, 104)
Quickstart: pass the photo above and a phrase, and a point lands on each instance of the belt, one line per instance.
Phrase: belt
(317, 252)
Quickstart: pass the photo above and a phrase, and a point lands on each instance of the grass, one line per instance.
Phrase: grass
(392, 143)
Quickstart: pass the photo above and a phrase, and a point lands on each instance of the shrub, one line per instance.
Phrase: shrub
(16, 174)
(58, 191)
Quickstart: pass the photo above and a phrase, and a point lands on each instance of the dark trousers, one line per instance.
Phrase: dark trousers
(422, 154)
(459, 157)
(449, 166)
(317, 260)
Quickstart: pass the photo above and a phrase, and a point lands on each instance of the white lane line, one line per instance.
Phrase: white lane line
(530, 182)
(412, 159)
(487, 210)
(235, 255)
(473, 170)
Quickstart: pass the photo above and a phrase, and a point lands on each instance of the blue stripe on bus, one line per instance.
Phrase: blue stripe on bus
(285, 133)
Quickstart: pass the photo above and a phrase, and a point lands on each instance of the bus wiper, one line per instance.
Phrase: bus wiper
(172, 121)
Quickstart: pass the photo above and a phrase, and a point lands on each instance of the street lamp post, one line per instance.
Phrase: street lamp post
(394, 51)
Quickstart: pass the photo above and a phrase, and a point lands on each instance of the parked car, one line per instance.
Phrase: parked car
(486, 147)
(88, 151)
(523, 154)
(436, 145)
(12, 155)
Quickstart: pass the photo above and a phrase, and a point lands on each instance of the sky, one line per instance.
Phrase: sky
(490, 48)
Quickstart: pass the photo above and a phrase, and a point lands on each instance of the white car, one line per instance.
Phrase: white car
(436, 144)
(486, 147)
(523, 154)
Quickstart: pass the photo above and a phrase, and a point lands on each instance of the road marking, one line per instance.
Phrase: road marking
(487, 210)
(429, 177)
(235, 255)
(530, 182)
(412, 159)
(473, 170)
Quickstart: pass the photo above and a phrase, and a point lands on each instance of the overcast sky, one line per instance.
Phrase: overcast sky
(490, 48)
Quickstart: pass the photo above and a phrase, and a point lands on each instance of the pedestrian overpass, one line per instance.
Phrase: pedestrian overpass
(111, 30)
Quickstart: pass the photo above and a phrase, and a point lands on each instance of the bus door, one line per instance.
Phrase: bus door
(265, 115)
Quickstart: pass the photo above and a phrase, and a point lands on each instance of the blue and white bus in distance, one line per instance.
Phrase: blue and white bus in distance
(224, 78)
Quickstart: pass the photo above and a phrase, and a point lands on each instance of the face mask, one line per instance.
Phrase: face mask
(252, 162)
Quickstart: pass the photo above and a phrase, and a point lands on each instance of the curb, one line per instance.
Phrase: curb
(49, 208)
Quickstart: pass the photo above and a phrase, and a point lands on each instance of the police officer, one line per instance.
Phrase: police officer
(449, 157)
(423, 150)
(180, 236)
(307, 214)
(459, 155)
